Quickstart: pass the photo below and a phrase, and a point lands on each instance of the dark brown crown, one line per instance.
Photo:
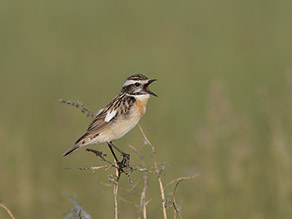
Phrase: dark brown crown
(137, 77)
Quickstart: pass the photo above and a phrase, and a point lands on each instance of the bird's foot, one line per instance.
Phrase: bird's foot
(124, 165)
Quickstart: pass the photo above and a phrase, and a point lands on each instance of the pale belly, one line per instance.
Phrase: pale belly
(123, 124)
(116, 131)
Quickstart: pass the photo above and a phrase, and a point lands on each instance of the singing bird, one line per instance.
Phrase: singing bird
(120, 116)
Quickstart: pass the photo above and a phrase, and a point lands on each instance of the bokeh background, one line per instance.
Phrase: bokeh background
(224, 71)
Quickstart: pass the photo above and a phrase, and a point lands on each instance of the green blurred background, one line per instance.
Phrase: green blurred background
(224, 71)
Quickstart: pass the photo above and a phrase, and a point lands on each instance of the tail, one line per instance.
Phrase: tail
(70, 150)
(79, 143)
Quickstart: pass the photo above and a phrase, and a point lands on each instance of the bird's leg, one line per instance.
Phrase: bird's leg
(126, 157)
(111, 148)
(119, 150)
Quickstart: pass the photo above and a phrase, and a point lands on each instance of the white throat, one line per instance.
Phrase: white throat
(139, 97)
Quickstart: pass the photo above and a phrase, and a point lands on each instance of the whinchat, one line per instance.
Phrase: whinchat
(120, 116)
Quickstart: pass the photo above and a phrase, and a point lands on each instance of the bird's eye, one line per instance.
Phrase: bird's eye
(137, 84)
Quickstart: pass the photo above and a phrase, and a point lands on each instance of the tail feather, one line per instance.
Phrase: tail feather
(79, 143)
(70, 150)
(82, 140)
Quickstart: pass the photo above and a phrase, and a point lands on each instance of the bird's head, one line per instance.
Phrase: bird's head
(138, 84)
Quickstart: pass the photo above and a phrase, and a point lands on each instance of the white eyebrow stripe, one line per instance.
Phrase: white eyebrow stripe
(128, 82)
(110, 115)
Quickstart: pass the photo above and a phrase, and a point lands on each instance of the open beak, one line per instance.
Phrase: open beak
(147, 89)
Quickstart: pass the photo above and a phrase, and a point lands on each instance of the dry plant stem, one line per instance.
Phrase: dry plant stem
(176, 211)
(115, 191)
(128, 202)
(79, 214)
(157, 172)
(143, 205)
(79, 106)
(99, 154)
(115, 182)
(89, 168)
(7, 210)
(178, 181)
(143, 196)
(181, 178)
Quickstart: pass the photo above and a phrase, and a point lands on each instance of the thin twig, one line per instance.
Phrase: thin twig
(142, 170)
(181, 178)
(101, 155)
(128, 202)
(142, 207)
(173, 202)
(176, 211)
(115, 191)
(133, 188)
(79, 106)
(114, 181)
(143, 195)
(79, 214)
(7, 210)
(150, 200)
(88, 168)
(157, 172)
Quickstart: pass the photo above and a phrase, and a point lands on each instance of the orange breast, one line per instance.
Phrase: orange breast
(141, 105)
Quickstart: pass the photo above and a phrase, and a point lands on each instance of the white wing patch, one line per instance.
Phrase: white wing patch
(99, 111)
(110, 115)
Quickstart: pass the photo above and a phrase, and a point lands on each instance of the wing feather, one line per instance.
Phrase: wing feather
(110, 115)
(105, 117)
(99, 123)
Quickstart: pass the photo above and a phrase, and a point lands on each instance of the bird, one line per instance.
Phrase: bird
(118, 117)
